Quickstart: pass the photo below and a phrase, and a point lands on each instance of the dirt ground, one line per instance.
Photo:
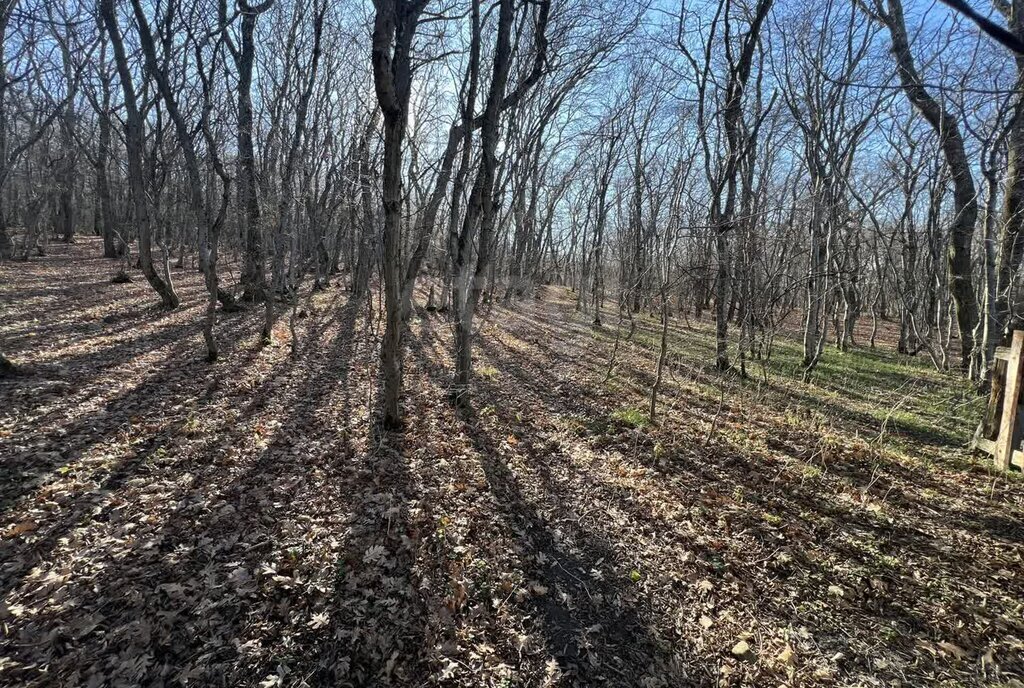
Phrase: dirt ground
(165, 521)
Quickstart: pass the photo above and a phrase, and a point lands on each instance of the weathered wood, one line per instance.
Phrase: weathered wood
(1003, 353)
(1008, 422)
(993, 412)
(985, 445)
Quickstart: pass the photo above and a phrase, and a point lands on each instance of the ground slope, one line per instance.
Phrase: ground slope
(169, 522)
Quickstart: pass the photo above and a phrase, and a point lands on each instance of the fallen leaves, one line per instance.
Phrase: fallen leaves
(376, 554)
(26, 526)
(238, 524)
(741, 649)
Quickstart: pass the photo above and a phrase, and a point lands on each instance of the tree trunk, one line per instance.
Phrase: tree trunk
(391, 347)
(480, 209)
(1011, 239)
(254, 279)
(965, 202)
(134, 148)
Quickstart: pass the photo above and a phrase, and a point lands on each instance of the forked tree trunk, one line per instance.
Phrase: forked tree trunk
(391, 56)
(724, 208)
(134, 148)
(469, 283)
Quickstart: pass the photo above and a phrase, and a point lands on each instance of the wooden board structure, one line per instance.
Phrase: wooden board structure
(1001, 430)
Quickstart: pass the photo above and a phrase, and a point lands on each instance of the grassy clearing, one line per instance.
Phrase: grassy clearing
(879, 394)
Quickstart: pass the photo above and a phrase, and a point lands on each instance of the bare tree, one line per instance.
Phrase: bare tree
(965, 212)
(134, 148)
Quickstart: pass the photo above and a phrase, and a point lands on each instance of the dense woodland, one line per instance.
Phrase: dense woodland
(329, 330)
(769, 163)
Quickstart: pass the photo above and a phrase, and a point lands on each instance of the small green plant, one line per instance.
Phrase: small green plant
(771, 519)
(191, 425)
(489, 372)
(889, 561)
(633, 417)
(810, 471)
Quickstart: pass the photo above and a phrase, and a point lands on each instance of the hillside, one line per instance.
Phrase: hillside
(166, 521)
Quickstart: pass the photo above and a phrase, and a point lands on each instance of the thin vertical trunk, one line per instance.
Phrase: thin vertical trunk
(480, 209)
(104, 201)
(990, 334)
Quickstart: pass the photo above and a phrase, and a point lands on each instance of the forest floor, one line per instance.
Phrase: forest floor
(165, 521)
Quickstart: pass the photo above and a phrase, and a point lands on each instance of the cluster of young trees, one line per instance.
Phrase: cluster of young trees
(769, 162)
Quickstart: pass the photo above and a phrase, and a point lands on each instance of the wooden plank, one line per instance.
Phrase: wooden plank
(1017, 459)
(1003, 353)
(1008, 422)
(985, 445)
(993, 410)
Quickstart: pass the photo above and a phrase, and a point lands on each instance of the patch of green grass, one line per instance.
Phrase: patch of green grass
(900, 401)
(631, 416)
(810, 470)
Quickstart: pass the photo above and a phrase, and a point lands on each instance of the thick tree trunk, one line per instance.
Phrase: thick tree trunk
(1011, 238)
(254, 279)
(965, 202)
(391, 347)
(393, 32)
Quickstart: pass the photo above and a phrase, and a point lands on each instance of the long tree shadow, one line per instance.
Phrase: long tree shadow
(171, 381)
(880, 552)
(593, 626)
(105, 450)
(216, 507)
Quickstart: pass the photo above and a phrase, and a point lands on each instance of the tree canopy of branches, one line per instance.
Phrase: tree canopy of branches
(746, 159)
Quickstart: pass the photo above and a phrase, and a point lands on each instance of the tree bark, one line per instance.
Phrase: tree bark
(134, 148)
(254, 278)
(391, 56)
(965, 202)
(1011, 236)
